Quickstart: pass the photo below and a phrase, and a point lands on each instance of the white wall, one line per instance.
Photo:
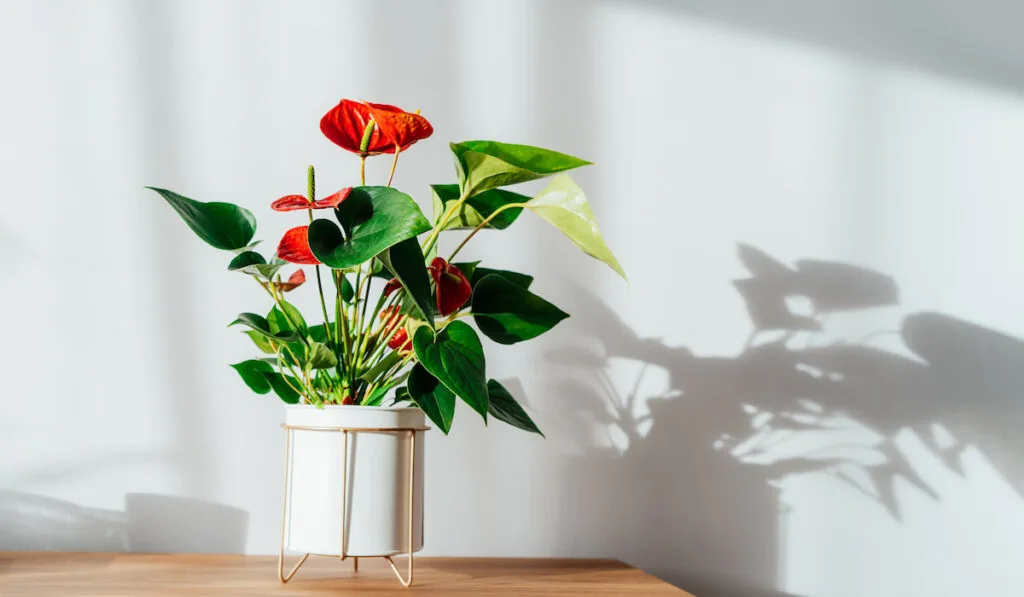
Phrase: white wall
(877, 456)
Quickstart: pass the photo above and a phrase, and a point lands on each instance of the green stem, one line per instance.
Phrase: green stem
(394, 164)
(481, 226)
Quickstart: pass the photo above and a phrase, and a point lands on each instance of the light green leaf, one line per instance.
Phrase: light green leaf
(380, 217)
(504, 407)
(564, 205)
(508, 313)
(320, 356)
(405, 261)
(455, 357)
(484, 165)
(477, 208)
(436, 401)
(222, 225)
(260, 341)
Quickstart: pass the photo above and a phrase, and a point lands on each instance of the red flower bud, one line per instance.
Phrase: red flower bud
(400, 341)
(294, 281)
(392, 285)
(453, 288)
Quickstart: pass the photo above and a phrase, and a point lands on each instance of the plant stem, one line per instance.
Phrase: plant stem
(482, 225)
(394, 163)
(362, 170)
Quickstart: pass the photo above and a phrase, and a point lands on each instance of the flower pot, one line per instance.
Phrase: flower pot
(376, 478)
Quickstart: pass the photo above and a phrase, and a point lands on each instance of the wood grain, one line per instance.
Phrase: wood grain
(33, 574)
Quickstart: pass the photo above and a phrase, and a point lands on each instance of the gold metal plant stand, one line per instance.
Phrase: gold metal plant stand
(345, 431)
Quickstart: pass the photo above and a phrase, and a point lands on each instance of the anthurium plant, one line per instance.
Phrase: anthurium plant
(394, 314)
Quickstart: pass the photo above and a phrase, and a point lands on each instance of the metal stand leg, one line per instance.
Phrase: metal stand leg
(406, 582)
(287, 475)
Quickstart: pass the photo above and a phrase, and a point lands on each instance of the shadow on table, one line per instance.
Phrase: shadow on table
(149, 523)
(685, 483)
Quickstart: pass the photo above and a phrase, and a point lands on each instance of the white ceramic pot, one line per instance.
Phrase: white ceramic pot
(377, 481)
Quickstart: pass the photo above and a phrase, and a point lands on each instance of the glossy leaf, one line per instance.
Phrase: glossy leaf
(320, 356)
(503, 406)
(564, 205)
(377, 395)
(261, 378)
(455, 357)
(476, 208)
(484, 165)
(479, 273)
(390, 360)
(508, 313)
(436, 400)
(222, 225)
(317, 332)
(260, 341)
(405, 261)
(245, 260)
(289, 319)
(261, 325)
(266, 271)
(394, 218)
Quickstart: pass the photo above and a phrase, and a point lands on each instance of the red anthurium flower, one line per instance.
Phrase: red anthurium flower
(294, 247)
(296, 202)
(345, 124)
(400, 341)
(453, 288)
(294, 281)
(398, 126)
(392, 285)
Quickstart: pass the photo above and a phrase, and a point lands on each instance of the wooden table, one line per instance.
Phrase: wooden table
(31, 574)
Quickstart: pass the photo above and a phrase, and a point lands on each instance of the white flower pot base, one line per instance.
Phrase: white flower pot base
(302, 532)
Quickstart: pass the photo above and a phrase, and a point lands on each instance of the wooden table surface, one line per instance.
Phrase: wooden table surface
(31, 574)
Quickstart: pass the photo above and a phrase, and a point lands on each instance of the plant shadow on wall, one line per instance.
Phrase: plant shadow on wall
(686, 482)
(149, 523)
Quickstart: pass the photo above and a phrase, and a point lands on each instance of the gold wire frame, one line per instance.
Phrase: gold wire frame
(345, 431)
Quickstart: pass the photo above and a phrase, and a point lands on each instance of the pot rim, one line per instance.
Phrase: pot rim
(353, 407)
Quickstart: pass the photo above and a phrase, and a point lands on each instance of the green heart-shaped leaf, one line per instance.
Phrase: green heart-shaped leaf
(261, 325)
(222, 225)
(261, 378)
(508, 313)
(484, 165)
(477, 208)
(505, 408)
(436, 401)
(393, 217)
(405, 261)
(564, 205)
(455, 357)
